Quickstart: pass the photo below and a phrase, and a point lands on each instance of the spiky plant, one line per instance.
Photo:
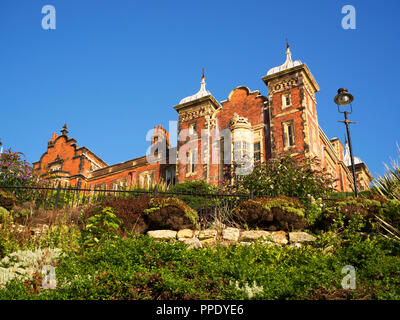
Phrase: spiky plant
(388, 185)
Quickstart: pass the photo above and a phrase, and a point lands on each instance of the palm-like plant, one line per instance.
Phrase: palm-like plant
(388, 185)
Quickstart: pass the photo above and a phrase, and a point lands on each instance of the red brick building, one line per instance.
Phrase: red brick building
(212, 135)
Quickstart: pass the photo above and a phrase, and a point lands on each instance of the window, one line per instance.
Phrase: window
(170, 176)
(257, 151)
(286, 100)
(146, 180)
(288, 134)
(191, 161)
(192, 129)
(241, 151)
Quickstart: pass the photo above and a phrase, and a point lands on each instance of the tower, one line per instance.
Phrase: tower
(196, 119)
(292, 109)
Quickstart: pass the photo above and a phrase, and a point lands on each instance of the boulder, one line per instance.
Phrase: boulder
(185, 233)
(254, 235)
(231, 234)
(279, 237)
(162, 234)
(300, 237)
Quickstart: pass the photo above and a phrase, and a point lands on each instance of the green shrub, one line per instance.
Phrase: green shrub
(338, 213)
(280, 213)
(4, 215)
(391, 212)
(287, 176)
(128, 209)
(100, 227)
(388, 185)
(170, 213)
(199, 195)
(143, 268)
(7, 200)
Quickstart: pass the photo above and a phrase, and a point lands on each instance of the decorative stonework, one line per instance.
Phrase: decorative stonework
(282, 85)
(239, 122)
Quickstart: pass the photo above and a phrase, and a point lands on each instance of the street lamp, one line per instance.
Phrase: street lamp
(344, 98)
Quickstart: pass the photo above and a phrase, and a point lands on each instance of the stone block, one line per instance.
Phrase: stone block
(254, 235)
(185, 233)
(162, 234)
(300, 237)
(231, 234)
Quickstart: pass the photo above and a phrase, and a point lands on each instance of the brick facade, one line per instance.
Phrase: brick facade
(247, 122)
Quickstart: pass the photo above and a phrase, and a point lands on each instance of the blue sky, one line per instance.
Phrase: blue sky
(113, 69)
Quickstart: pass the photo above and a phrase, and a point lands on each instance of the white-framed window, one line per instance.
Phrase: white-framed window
(257, 151)
(146, 180)
(191, 157)
(192, 129)
(286, 100)
(241, 151)
(288, 134)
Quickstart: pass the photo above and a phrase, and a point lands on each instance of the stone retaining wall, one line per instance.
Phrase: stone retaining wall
(227, 236)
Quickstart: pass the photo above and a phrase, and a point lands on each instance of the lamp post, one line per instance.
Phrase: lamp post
(344, 98)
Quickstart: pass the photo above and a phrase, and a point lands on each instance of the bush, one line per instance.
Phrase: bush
(4, 215)
(143, 268)
(340, 212)
(100, 227)
(170, 213)
(280, 213)
(199, 195)
(15, 171)
(7, 200)
(391, 213)
(128, 209)
(286, 176)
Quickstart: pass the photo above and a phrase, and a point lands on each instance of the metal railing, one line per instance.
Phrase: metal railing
(70, 197)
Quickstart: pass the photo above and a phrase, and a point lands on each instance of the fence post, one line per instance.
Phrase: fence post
(57, 195)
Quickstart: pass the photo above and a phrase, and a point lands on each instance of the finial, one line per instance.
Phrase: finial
(64, 130)
(203, 76)
(287, 44)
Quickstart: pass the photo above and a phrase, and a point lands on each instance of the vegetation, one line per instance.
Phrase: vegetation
(388, 185)
(279, 213)
(142, 268)
(287, 176)
(100, 251)
(170, 213)
(15, 171)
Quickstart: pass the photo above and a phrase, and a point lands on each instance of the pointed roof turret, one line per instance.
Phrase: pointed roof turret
(203, 92)
(289, 63)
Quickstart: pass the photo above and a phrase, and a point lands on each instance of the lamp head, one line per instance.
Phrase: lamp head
(343, 97)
